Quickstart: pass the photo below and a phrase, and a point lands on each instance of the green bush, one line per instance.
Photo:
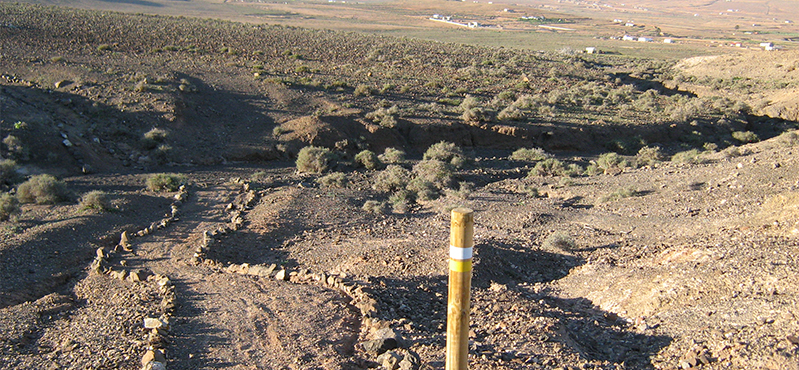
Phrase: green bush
(529, 155)
(368, 159)
(8, 171)
(393, 178)
(559, 240)
(314, 159)
(42, 189)
(693, 156)
(438, 173)
(392, 155)
(165, 182)
(95, 199)
(333, 180)
(9, 206)
(446, 152)
(745, 136)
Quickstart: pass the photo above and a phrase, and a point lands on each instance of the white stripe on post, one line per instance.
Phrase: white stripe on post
(460, 254)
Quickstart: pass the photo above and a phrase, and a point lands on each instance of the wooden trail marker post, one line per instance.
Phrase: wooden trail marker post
(460, 282)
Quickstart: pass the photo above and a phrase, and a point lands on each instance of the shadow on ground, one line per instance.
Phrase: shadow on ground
(507, 289)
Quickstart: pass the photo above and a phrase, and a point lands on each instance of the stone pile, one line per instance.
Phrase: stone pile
(236, 212)
(157, 338)
(173, 215)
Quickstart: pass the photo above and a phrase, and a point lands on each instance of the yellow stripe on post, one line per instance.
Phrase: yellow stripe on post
(460, 266)
(460, 282)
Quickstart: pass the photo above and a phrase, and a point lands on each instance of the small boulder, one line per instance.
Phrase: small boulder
(389, 360)
(153, 355)
(151, 323)
(385, 339)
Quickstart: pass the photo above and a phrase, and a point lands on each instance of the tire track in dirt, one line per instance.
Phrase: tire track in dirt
(230, 320)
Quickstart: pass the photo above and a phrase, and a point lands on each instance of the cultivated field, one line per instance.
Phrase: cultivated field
(203, 194)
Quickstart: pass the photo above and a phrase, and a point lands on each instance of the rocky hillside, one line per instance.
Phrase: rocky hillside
(218, 91)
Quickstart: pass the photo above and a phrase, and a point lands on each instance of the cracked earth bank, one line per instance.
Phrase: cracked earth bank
(279, 273)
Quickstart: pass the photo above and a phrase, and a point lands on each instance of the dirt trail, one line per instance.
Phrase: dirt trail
(231, 320)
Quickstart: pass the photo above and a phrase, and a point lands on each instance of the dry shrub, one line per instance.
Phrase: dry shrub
(607, 163)
(548, 167)
(438, 173)
(165, 182)
(8, 171)
(446, 152)
(510, 113)
(469, 102)
(610, 162)
(368, 159)
(152, 138)
(735, 151)
(529, 155)
(16, 147)
(780, 214)
(384, 116)
(745, 136)
(392, 155)
(363, 90)
(649, 155)
(618, 194)
(693, 156)
(42, 189)
(375, 207)
(314, 159)
(393, 178)
(95, 199)
(9, 206)
(401, 201)
(333, 180)
(474, 115)
(559, 240)
(423, 190)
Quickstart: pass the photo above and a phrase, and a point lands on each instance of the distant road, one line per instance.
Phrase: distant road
(557, 28)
